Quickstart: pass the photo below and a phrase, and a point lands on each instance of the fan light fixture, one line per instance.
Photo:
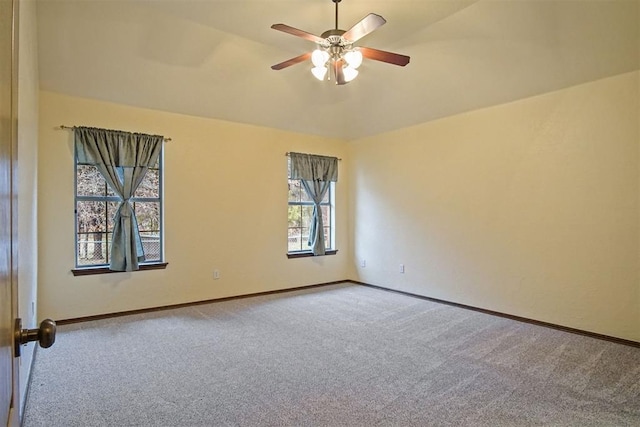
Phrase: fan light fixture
(349, 60)
(335, 54)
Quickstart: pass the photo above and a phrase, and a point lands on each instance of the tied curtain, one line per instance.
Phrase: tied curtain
(316, 174)
(123, 159)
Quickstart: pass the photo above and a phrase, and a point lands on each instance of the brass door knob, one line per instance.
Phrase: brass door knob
(45, 335)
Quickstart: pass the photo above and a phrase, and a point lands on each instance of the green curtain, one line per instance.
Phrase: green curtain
(123, 159)
(316, 174)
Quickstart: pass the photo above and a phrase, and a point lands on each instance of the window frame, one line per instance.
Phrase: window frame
(331, 250)
(87, 269)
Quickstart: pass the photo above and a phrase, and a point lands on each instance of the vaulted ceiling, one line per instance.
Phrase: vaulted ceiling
(212, 58)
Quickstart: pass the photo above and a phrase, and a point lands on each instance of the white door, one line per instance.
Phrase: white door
(8, 243)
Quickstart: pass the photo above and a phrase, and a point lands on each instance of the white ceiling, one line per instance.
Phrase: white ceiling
(212, 58)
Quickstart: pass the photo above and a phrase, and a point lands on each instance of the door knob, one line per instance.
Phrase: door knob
(45, 335)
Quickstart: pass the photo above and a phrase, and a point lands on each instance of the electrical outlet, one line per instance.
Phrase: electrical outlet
(363, 263)
(401, 268)
(216, 274)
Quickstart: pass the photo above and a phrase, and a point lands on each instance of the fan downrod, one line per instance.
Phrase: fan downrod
(336, 2)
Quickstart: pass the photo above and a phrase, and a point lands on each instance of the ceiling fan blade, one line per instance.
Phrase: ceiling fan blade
(296, 32)
(381, 55)
(338, 72)
(366, 25)
(292, 61)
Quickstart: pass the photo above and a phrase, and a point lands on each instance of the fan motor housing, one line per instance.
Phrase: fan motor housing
(334, 37)
(333, 32)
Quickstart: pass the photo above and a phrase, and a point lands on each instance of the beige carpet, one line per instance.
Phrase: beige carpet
(341, 355)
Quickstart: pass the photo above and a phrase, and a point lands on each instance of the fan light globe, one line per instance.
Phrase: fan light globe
(319, 72)
(319, 57)
(353, 58)
(350, 73)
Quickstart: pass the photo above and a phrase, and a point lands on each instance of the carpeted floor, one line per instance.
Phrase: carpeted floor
(341, 355)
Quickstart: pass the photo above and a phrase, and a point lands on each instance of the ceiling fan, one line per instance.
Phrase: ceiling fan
(335, 49)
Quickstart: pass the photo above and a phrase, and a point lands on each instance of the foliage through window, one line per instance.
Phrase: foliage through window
(96, 206)
(300, 215)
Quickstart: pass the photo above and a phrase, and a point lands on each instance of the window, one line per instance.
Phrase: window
(300, 213)
(96, 205)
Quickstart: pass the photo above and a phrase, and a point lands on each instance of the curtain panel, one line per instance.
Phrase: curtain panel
(316, 174)
(123, 159)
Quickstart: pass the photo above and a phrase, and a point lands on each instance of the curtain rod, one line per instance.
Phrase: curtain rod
(288, 153)
(73, 127)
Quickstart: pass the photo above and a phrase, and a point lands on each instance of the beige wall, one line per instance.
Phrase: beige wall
(529, 208)
(225, 207)
(27, 183)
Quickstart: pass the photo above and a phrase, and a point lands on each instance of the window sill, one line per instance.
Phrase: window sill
(306, 254)
(105, 270)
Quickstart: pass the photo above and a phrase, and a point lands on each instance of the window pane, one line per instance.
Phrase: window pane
(302, 215)
(295, 216)
(298, 239)
(304, 239)
(91, 216)
(93, 248)
(92, 233)
(90, 182)
(295, 236)
(150, 185)
(148, 216)
(151, 245)
(297, 192)
(327, 238)
(294, 190)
